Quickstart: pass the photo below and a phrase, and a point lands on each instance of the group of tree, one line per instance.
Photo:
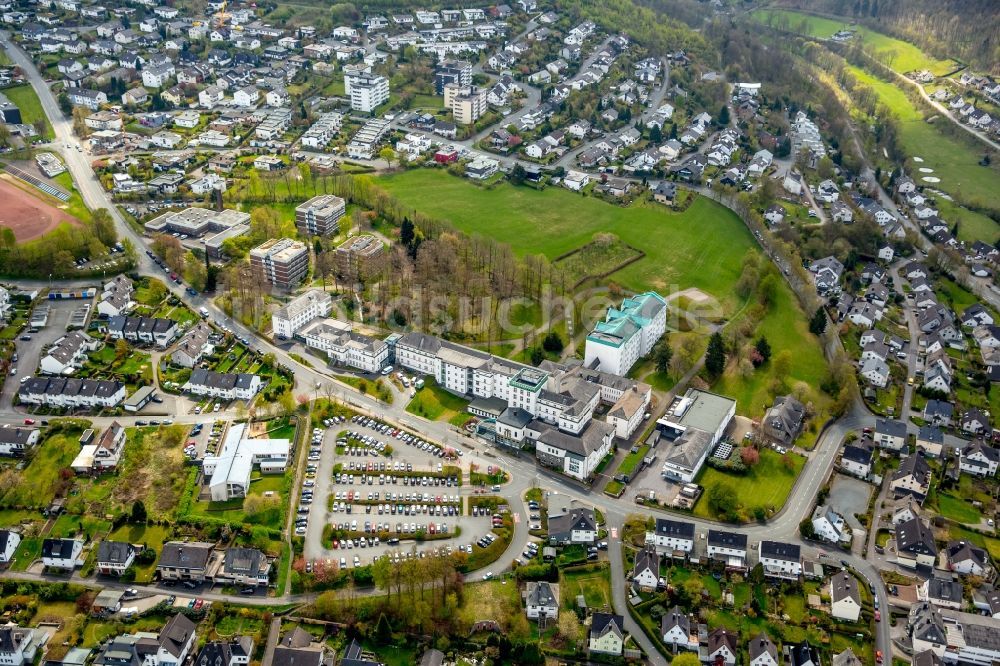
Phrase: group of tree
(56, 252)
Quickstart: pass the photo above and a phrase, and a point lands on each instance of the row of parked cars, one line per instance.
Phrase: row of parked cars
(402, 436)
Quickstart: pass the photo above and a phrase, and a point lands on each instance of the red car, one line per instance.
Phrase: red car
(29, 421)
(878, 656)
(878, 616)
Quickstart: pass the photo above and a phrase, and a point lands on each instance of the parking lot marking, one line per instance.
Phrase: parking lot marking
(517, 517)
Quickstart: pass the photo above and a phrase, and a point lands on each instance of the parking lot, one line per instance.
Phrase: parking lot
(29, 350)
(383, 491)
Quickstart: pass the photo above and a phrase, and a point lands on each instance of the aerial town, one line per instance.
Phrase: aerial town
(553, 333)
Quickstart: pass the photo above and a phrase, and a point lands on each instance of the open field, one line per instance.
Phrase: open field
(27, 216)
(785, 327)
(701, 247)
(434, 403)
(37, 484)
(907, 57)
(766, 485)
(153, 462)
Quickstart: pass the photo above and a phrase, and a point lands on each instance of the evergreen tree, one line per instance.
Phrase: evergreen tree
(138, 512)
(715, 357)
(663, 354)
(724, 116)
(817, 325)
(763, 348)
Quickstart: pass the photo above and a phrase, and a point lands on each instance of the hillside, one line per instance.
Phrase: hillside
(967, 30)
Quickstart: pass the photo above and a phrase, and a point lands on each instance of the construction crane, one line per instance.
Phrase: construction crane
(221, 17)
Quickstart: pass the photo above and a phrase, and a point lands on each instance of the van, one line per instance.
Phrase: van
(203, 311)
(387, 370)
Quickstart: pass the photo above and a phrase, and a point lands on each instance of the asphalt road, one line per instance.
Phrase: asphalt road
(524, 472)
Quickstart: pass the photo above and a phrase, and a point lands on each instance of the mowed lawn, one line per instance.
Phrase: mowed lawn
(31, 108)
(702, 247)
(908, 57)
(953, 160)
(785, 327)
(766, 485)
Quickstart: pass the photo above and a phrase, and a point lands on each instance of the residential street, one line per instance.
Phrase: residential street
(524, 472)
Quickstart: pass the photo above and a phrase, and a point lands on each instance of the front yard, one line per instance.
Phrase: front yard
(762, 489)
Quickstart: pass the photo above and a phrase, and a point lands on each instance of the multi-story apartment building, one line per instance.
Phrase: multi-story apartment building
(627, 334)
(319, 216)
(283, 262)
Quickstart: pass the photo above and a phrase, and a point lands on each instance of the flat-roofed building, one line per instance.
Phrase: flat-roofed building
(692, 426)
(360, 257)
(283, 262)
(229, 471)
(320, 215)
(196, 222)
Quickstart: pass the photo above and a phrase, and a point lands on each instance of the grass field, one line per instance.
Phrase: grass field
(958, 510)
(31, 108)
(153, 463)
(701, 247)
(434, 403)
(907, 56)
(36, 485)
(766, 485)
(953, 160)
(785, 327)
(595, 586)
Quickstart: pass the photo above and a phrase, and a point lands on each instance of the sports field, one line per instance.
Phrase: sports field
(907, 56)
(29, 217)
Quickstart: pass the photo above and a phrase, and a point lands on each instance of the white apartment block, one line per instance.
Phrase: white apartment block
(301, 310)
(627, 334)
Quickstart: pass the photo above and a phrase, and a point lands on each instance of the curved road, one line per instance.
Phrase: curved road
(783, 526)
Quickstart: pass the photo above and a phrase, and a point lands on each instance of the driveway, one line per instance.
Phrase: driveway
(849, 496)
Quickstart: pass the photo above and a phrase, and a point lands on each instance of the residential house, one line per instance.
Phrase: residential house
(672, 536)
(541, 600)
(244, 567)
(784, 421)
(184, 560)
(968, 559)
(979, 459)
(938, 412)
(721, 647)
(607, 633)
(114, 557)
(15, 441)
(780, 559)
(930, 441)
(974, 422)
(845, 597)
(9, 541)
(728, 547)
(942, 592)
(646, 569)
(915, 545)
(675, 629)
(830, 525)
(763, 651)
(912, 478)
(62, 553)
(857, 459)
(890, 434)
